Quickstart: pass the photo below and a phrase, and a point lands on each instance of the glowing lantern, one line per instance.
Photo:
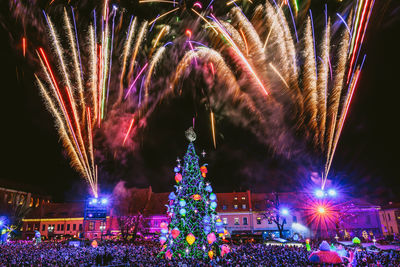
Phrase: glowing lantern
(210, 254)
(190, 239)
(175, 232)
(182, 203)
(182, 212)
(178, 177)
(196, 197)
(162, 240)
(94, 244)
(168, 254)
(211, 238)
(203, 170)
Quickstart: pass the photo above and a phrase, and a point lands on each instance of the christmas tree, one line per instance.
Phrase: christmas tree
(195, 228)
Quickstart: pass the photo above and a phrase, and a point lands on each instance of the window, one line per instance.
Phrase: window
(235, 206)
(235, 198)
(294, 219)
(243, 198)
(244, 220)
(58, 227)
(225, 220)
(244, 206)
(224, 207)
(91, 226)
(62, 227)
(258, 220)
(80, 227)
(236, 221)
(391, 229)
(74, 227)
(43, 227)
(68, 227)
(389, 217)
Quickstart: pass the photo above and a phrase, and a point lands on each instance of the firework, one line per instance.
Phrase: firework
(78, 102)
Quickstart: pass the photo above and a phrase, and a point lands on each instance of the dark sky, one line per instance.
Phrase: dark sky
(366, 162)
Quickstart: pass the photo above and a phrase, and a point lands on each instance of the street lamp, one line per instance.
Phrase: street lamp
(337, 238)
(102, 228)
(374, 240)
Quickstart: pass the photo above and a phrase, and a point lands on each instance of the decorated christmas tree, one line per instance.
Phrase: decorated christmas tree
(195, 228)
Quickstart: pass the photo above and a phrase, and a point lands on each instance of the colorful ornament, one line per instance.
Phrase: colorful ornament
(182, 212)
(168, 254)
(163, 239)
(178, 177)
(190, 239)
(206, 219)
(163, 225)
(213, 205)
(172, 196)
(196, 197)
(177, 169)
(175, 232)
(207, 229)
(210, 254)
(164, 231)
(213, 196)
(225, 250)
(208, 188)
(218, 223)
(211, 238)
(356, 240)
(182, 203)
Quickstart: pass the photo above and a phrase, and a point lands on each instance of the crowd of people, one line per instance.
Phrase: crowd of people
(146, 254)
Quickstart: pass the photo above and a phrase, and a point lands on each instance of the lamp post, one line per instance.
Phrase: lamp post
(102, 228)
(374, 240)
(337, 238)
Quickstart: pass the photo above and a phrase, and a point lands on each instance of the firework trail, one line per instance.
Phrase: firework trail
(319, 94)
(78, 100)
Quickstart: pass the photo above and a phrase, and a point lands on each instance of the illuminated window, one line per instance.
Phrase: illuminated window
(235, 206)
(258, 220)
(243, 198)
(244, 206)
(236, 221)
(235, 198)
(225, 220)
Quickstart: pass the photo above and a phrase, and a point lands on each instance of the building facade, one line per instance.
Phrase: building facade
(242, 213)
(390, 219)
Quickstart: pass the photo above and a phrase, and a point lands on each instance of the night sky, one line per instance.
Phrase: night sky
(366, 161)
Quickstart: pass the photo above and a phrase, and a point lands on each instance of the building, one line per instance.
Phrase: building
(242, 213)
(235, 211)
(390, 219)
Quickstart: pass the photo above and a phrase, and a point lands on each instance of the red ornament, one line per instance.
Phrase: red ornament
(178, 177)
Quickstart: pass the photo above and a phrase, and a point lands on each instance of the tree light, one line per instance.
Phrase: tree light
(321, 210)
(319, 193)
(285, 211)
(332, 192)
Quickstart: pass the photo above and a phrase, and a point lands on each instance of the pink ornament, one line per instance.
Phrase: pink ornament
(163, 225)
(211, 238)
(224, 250)
(175, 232)
(178, 177)
(168, 254)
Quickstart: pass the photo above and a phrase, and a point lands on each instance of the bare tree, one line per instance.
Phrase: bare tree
(272, 213)
(129, 205)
